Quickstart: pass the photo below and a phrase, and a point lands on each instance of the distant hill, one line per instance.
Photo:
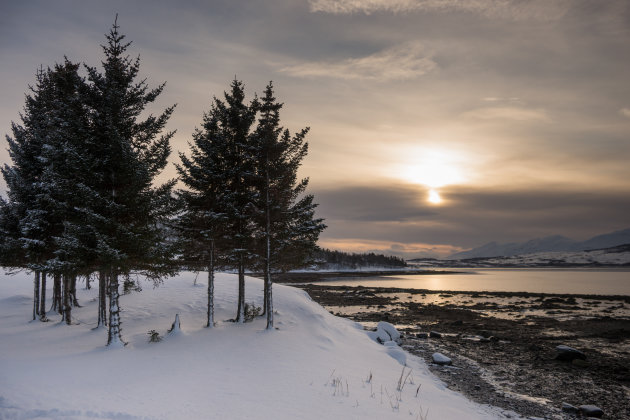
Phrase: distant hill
(556, 243)
(616, 256)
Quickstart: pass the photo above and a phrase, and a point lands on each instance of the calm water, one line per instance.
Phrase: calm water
(578, 281)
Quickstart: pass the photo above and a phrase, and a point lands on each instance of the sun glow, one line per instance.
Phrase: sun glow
(434, 197)
(433, 169)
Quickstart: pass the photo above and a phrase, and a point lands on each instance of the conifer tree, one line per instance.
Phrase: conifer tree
(219, 200)
(52, 124)
(286, 226)
(23, 209)
(133, 153)
(200, 221)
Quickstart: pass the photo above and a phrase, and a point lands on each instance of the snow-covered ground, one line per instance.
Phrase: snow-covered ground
(313, 366)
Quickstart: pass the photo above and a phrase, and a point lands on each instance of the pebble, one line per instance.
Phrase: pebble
(440, 359)
(568, 353)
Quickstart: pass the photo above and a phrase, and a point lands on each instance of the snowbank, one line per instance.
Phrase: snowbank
(313, 366)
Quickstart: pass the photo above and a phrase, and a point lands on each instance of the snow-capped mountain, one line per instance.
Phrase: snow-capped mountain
(556, 243)
(617, 256)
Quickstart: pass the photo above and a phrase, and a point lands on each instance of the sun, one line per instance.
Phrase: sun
(434, 197)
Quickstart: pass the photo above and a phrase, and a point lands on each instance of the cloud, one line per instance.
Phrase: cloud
(402, 62)
(543, 10)
(403, 250)
(508, 113)
(500, 99)
(625, 112)
(397, 214)
(374, 204)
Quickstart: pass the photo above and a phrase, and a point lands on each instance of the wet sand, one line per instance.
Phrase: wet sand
(503, 344)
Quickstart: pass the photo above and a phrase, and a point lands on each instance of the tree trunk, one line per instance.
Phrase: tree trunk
(87, 282)
(35, 295)
(42, 303)
(210, 322)
(240, 317)
(67, 307)
(267, 289)
(102, 302)
(56, 305)
(73, 292)
(114, 338)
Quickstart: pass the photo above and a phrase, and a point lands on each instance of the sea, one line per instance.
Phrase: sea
(588, 281)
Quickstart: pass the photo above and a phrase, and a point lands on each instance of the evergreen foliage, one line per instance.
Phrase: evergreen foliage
(81, 196)
(286, 224)
(219, 200)
(243, 197)
(330, 259)
(132, 153)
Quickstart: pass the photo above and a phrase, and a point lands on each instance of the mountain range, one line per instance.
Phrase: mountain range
(556, 243)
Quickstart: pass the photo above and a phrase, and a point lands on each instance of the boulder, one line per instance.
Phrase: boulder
(568, 354)
(440, 359)
(435, 334)
(422, 335)
(591, 411)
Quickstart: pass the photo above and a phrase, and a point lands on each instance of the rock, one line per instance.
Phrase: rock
(390, 330)
(435, 334)
(591, 411)
(568, 408)
(440, 359)
(568, 354)
(381, 336)
(422, 335)
(385, 332)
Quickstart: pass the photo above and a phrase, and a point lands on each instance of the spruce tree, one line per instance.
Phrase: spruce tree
(218, 202)
(23, 211)
(51, 128)
(286, 226)
(130, 235)
(201, 219)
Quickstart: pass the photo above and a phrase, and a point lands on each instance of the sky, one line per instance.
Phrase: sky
(436, 125)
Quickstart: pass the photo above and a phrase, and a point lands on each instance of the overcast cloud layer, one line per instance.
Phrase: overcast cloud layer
(516, 112)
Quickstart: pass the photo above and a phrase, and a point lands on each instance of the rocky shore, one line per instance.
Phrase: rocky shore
(504, 346)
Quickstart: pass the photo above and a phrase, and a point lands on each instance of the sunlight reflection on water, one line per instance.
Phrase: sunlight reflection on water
(574, 281)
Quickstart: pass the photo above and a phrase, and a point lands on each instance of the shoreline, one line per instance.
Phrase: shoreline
(310, 276)
(503, 343)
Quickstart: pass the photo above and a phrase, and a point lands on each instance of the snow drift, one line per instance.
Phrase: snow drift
(313, 366)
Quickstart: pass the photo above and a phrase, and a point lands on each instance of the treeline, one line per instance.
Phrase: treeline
(330, 259)
(83, 200)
